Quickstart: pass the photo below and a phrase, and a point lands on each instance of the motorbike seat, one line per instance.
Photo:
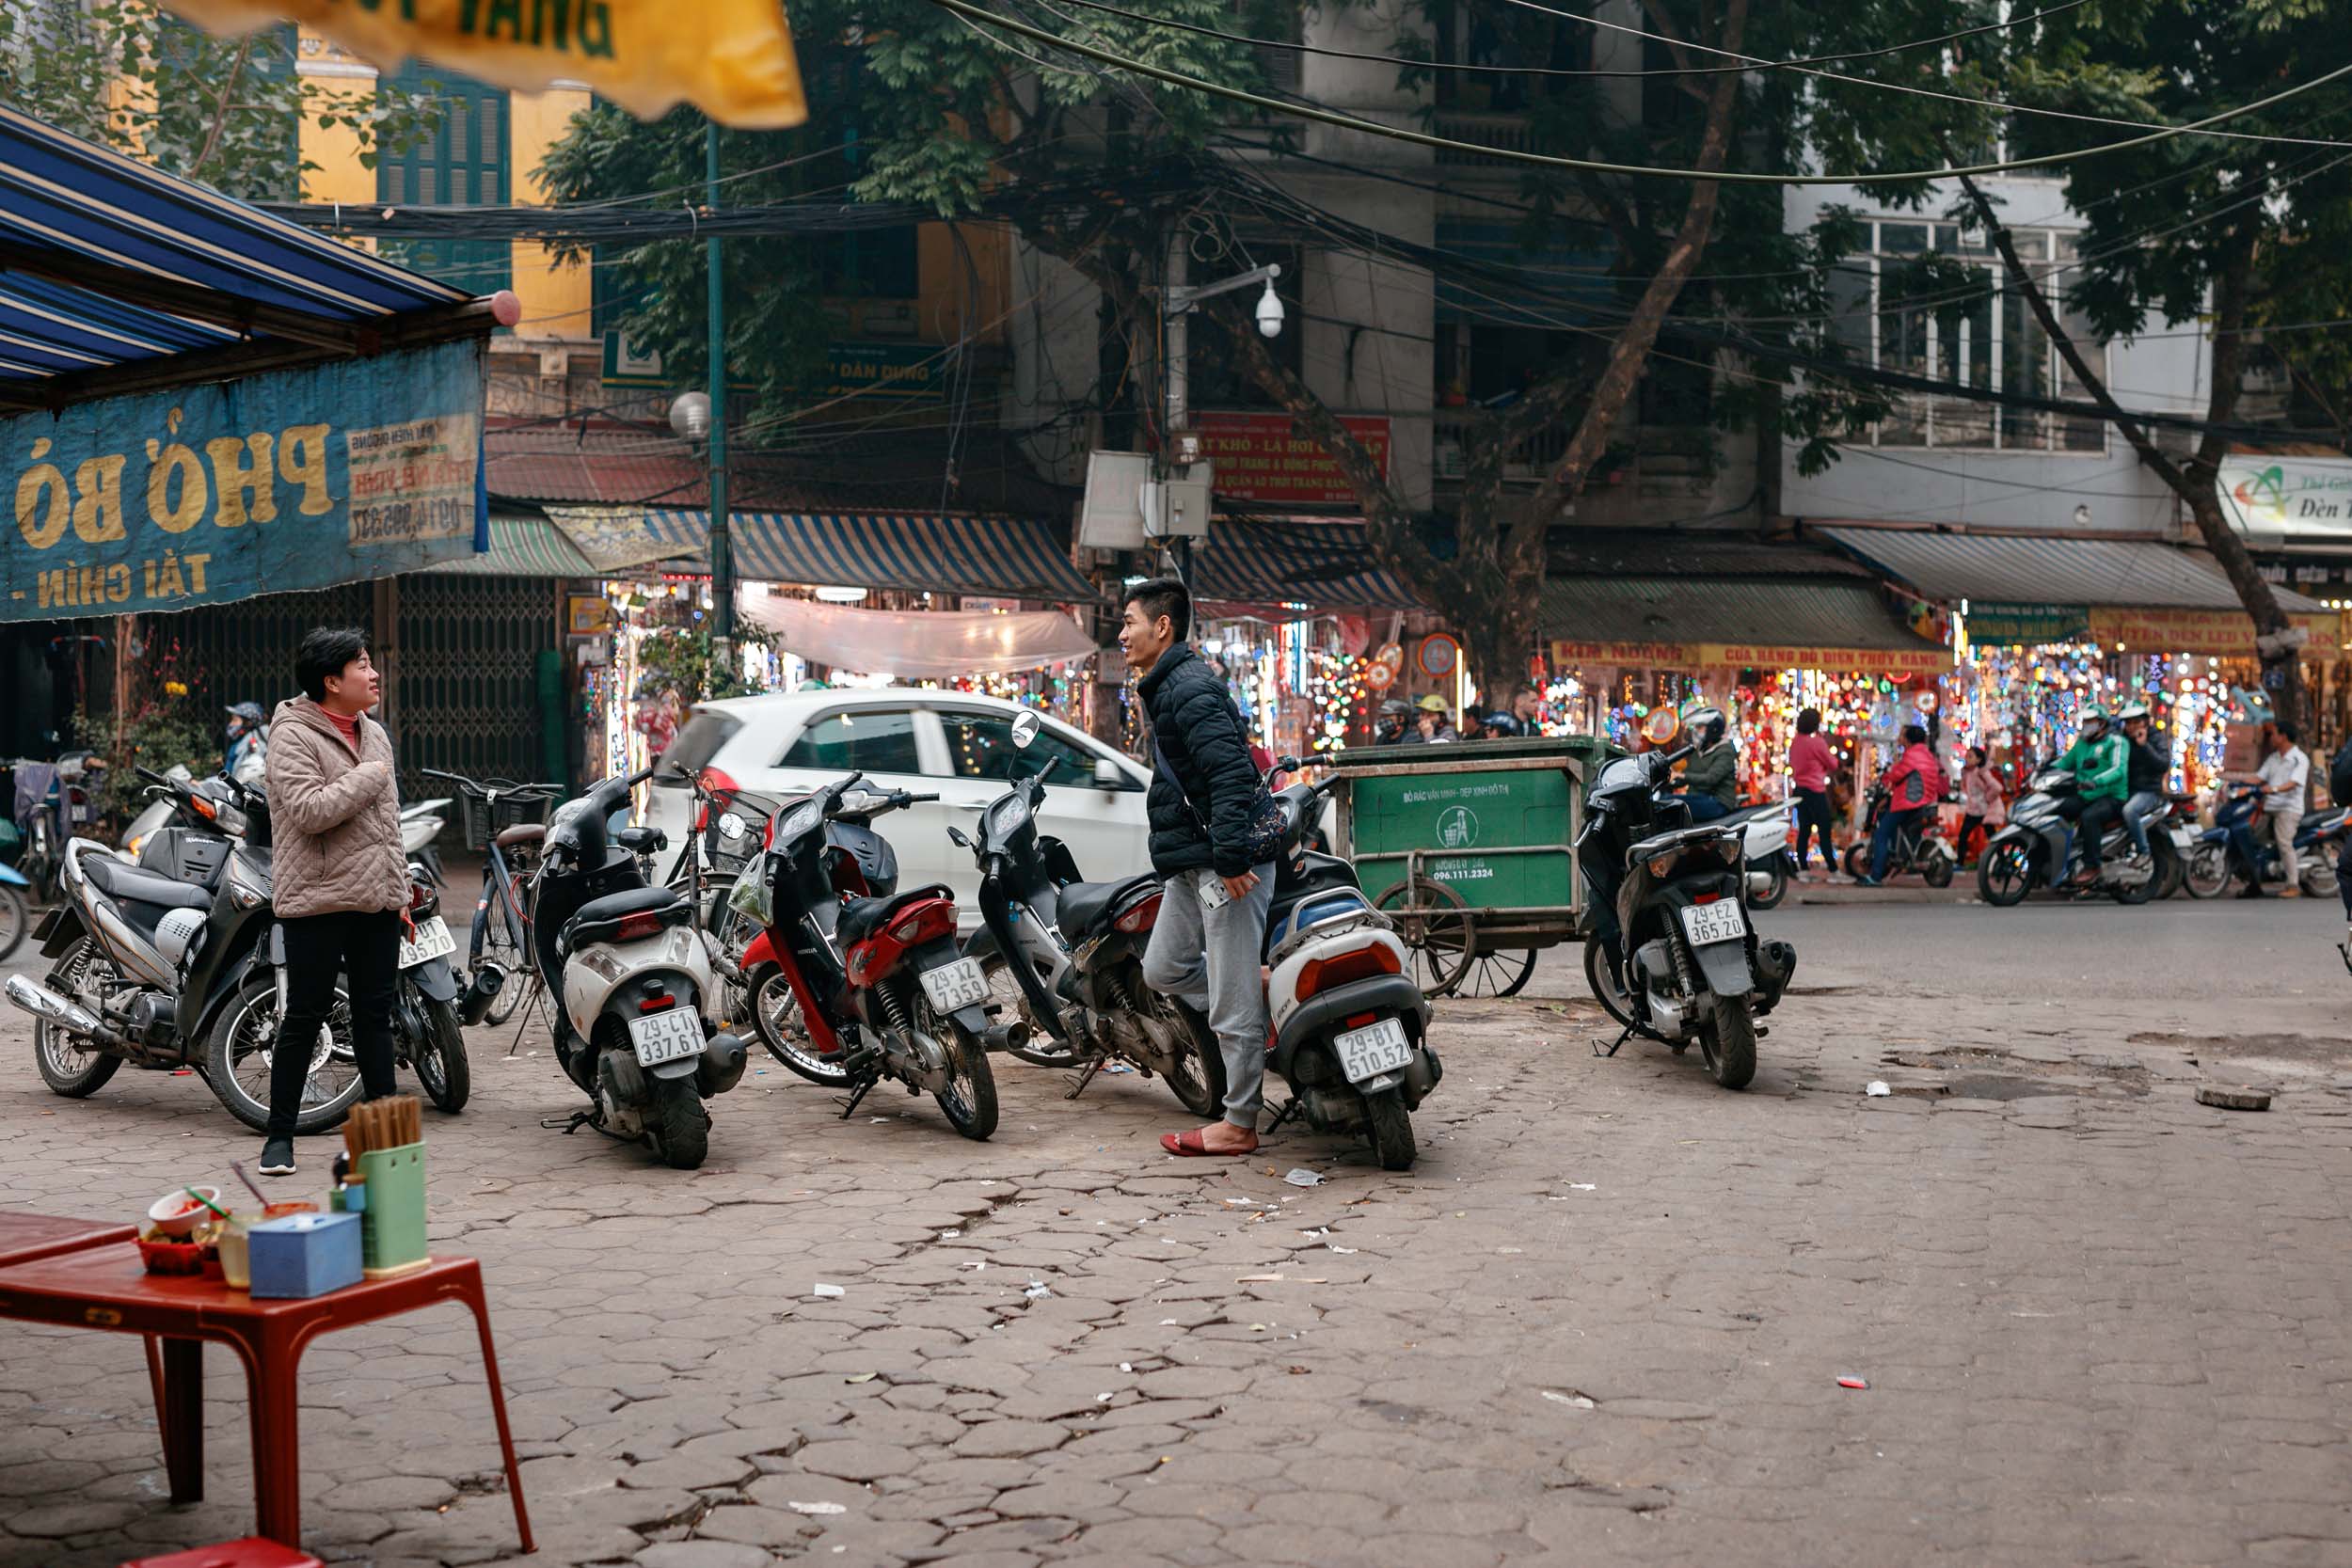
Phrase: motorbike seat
(600, 918)
(862, 917)
(522, 835)
(123, 881)
(1083, 906)
(1749, 814)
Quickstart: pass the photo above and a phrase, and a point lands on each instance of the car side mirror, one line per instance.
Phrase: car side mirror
(1108, 775)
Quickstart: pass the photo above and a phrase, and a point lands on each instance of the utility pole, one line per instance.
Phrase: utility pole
(1175, 384)
(721, 552)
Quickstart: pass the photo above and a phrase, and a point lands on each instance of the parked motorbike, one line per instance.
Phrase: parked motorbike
(1920, 848)
(638, 1031)
(165, 974)
(1075, 949)
(1772, 865)
(2039, 848)
(1687, 964)
(16, 912)
(420, 830)
(877, 987)
(426, 1034)
(2316, 843)
(1351, 1027)
(202, 822)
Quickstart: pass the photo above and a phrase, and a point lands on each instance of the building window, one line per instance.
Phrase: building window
(881, 263)
(1933, 300)
(463, 163)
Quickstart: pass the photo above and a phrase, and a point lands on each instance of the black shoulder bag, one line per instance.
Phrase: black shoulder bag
(1262, 842)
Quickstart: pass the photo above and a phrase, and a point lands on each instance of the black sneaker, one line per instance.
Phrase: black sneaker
(278, 1157)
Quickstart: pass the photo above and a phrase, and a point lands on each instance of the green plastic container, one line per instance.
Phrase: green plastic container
(392, 1238)
(1494, 821)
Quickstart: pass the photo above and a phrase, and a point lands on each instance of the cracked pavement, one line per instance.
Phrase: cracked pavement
(1602, 1322)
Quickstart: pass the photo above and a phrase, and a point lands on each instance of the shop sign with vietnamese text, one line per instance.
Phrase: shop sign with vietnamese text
(352, 470)
(1665, 655)
(731, 58)
(2197, 631)
(2288, 494)
(1996, 624)
(1926, 660)
(1256, 457)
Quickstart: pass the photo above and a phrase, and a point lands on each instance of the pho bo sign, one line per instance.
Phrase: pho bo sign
(2288, 496)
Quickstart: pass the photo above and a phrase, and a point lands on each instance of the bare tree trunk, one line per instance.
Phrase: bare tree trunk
(2278, 641)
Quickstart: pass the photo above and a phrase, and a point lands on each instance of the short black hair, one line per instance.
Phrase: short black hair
(1159, 597)
(1915, 735)
(2292, 731)
(1808, 720)
(323, 652)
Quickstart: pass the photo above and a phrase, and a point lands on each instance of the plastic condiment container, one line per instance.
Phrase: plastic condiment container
(237, 1268)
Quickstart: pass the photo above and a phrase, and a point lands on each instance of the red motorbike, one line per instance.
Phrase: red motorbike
(877, 988)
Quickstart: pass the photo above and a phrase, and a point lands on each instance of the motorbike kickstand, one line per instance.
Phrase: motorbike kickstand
(1092, 1067)
(850, 1109)
(1290, 1109)
(571, 1124)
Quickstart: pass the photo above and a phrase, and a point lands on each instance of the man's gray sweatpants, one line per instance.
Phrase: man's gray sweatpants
(1208, 959)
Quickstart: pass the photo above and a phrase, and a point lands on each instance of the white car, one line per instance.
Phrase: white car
(951, 743)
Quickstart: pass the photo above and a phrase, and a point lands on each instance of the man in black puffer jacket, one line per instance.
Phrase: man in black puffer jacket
(1205, 795)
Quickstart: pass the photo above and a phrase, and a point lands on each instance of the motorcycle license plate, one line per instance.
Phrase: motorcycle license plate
(1720, 921)
(960, 983)
(665, 1037)
(433, 941)
(1376, 1049)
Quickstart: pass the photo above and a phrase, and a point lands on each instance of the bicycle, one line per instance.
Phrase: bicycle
(502, 817)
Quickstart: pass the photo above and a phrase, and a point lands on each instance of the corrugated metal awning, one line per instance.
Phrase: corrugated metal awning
(523, 547)
(1322, 564)
(1723, 610)
(941, 552)
(2134, 573)
(113, 262)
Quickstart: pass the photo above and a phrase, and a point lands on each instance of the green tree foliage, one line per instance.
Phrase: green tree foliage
(127, 74)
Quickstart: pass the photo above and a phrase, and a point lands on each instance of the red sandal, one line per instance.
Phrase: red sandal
(1188, 1143)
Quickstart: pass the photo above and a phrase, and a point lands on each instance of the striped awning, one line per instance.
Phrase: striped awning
(2131, 572)
(1323, 565)
(1633, 610)
(106, 262)
(523, 547)
(939, 552)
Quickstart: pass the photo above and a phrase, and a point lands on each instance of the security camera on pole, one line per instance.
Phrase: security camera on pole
(1177, 509)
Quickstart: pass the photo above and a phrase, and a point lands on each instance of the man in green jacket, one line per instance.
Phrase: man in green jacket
(2101, 764)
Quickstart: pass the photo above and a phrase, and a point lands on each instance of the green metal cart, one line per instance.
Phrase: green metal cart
(1473, 847)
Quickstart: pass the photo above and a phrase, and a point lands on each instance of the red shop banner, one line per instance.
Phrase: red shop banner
(1256, 457)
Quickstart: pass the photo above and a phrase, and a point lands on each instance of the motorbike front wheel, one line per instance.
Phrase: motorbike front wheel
(2209, 871)
(1776, 868)
(239, 1052)
(1603, 983)
(969, 1100)
(679, 1124)
(439, 1058)
(16, 918)
(1935, 869)
(1391, 1128)
(2319, 876)
(1731, 1042)
(776, 1014)
(2005, 875)
(1857, 859)
(75, 1070)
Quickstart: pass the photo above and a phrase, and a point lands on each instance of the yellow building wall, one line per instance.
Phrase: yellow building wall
(556, 296)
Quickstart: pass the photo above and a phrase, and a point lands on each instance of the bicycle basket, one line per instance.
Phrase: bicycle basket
(484, 821)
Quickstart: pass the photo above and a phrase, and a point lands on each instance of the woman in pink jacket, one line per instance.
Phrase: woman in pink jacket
(1810, 766)
(1980, 800)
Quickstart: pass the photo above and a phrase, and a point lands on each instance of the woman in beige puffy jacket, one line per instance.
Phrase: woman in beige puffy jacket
(339, 881)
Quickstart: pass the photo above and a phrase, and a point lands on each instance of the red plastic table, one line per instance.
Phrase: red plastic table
(108, 1288)
(27, 1237)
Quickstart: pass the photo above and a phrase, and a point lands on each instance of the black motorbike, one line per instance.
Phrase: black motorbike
(1675, 957)
(1076, 950)
(2040, 847)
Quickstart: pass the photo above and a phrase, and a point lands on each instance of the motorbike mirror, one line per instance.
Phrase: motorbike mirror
(1025, 726)
(731, 826)
(1108, 774)
(956, 836)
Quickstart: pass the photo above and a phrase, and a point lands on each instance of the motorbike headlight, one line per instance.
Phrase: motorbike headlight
(804, 820)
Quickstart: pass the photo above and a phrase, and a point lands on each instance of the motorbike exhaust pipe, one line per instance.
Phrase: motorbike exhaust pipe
(42, 1003)
(1000, 1036)
(487, 980)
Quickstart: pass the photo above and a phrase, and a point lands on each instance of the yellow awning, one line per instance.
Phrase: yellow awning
(731, 58)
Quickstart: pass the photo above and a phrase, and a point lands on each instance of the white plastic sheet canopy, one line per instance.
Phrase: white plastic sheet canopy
(916, 644)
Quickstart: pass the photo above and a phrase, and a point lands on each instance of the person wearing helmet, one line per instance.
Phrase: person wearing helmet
(247, 740)
(1394, 726)
(1711, 780)
(1434, 720)
(2144, 770)
(2102, 771)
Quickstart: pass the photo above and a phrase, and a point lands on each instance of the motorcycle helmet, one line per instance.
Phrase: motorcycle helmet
(2130, 711)
(1705, 724)
(1433, 703)
(2094, 722)
(1396, 708)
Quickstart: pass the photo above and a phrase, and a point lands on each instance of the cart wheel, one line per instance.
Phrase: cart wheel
(1437, 925)
(1498, 973)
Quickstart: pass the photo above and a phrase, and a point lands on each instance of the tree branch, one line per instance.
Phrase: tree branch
(1639, 333)
(220, 106)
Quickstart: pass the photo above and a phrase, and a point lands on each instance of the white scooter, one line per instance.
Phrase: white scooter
(419, 827)
(639, 1032)
(1764, 839)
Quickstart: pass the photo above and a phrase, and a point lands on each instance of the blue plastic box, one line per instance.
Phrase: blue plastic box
(305, 1255)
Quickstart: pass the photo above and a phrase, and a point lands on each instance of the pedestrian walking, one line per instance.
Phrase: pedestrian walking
(1981, 802)
(2285, 776)
(339, 878)
(1811, 765)
(1215, 832)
